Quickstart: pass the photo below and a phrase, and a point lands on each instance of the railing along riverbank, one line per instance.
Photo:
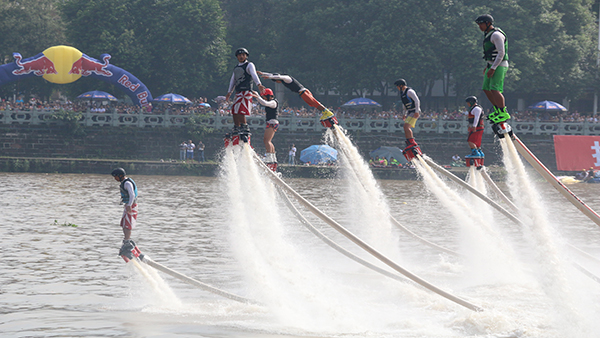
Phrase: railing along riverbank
(294, 123)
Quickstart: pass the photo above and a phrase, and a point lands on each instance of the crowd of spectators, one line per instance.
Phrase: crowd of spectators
(218, 106)
(383, 162)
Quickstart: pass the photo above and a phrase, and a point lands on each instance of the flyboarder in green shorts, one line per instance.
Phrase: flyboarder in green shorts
(495, 53)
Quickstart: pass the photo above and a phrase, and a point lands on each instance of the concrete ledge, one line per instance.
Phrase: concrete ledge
(137, 167)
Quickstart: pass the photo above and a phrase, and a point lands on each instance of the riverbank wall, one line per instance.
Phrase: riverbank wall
(157, 149)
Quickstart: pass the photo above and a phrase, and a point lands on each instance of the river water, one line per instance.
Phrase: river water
(60, 275)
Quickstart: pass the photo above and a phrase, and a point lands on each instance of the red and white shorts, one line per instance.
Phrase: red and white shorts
(129, 219)
(272, 123)
(242, 104)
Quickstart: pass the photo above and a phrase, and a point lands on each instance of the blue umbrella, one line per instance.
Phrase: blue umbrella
(172, 98)
(318, 153)
(547, 106)
(204, 104)
(361, 102)
(96, 94)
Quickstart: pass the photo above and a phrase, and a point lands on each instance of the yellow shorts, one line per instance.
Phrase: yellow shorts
(411, 120)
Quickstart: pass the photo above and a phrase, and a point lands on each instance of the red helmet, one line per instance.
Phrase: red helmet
(267, 91)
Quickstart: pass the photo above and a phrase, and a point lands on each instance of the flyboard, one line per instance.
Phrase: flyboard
(345, 144)
(280, 183)
(137, 256)
(556, 183)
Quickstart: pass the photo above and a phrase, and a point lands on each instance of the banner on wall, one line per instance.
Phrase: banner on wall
(65, 64)
(575, 153)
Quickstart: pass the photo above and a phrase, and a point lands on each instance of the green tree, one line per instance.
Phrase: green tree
(28, 27)
(170, 45)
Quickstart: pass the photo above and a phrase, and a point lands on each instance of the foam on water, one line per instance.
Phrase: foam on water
(301, 294)
(149, 285)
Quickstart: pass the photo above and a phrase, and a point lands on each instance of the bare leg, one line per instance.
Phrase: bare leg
(269, 133)
(239, 119)
(127, 233)
(408, 131)
(408, 128)
(495, 97)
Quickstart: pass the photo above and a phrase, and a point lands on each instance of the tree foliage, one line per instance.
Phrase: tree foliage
(170, 45)
(28, 27)
(354, 47)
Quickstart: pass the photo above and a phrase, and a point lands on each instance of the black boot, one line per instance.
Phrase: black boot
(127, 248)
(245, 132)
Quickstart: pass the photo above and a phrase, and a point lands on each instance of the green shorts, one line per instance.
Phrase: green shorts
(496, 82)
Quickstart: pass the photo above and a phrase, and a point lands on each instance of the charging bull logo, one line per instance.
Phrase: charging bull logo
(39, 65)
(86, 65)
(65, 64)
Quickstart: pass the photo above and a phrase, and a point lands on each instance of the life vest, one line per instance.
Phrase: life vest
(489, 49)
(409, 103)
(125, 194)
(271, 113)
(471, 118)
(243, 80)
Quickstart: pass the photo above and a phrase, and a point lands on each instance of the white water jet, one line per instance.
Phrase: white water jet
(364, 201)
(548, 250)
(489, 257)
(158, 292)
(285, 277)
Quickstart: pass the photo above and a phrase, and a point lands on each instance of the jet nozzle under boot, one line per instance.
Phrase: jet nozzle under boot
(412, 150)
(502, 128)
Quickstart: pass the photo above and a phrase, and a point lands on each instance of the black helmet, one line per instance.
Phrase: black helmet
(242, 51)
(484, 18)
(471, 99)
(400, 82)
(118, 172)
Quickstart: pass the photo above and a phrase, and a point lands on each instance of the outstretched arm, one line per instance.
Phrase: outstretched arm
(276, 77)
(270, 104)
(251, 69)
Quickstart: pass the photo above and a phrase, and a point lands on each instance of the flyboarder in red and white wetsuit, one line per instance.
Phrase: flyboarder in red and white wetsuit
(272, 111)
(129, 194)
(475, 127)
(327, 118)
(244, 75)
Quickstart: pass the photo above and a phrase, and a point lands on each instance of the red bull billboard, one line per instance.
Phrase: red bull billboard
(65, 64)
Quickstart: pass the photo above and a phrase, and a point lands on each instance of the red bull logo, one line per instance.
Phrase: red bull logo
(39, 65)
(86, 65)
(66, 64)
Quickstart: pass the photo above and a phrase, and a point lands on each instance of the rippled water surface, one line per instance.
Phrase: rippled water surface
(60, 275)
